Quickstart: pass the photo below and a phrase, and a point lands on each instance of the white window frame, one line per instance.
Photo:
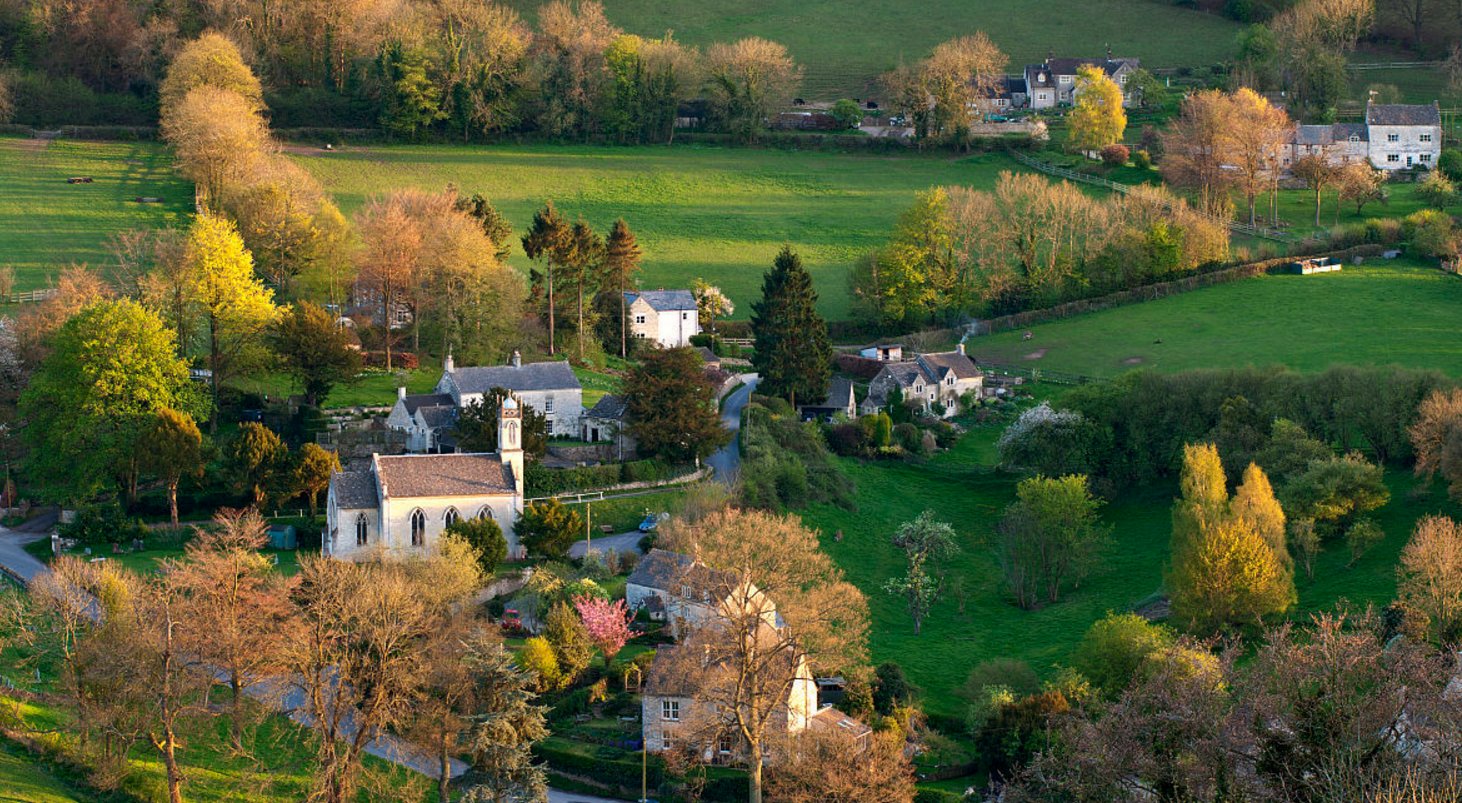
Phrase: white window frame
(1426, 157)
(548, 404)
(639, 319)
(1426, 137)
(1065, 79)
(1393, 157)
(1393, 137)
(670, 710)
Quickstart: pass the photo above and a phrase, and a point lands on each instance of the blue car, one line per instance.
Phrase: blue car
(649, 524)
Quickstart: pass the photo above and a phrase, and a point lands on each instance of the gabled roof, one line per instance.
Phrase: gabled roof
(839, 394)
(438, 416)
(659, 569)
(938, 364)
(354, 490)
(1314, 134)
(528, 376)
(1403, 114)
(425, 400)
(1110, 66)
(664, 300)
(414, 475)
(832, 720)
(1344, 131)
(609, 407)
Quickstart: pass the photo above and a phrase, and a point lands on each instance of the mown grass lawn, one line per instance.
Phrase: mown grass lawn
(1400, 312)
(717, 213)
(961, 487)
(844, 47)
(46, 224)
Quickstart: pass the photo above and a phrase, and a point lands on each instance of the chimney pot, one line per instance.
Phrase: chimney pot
(401, 392)
(517, 361)
(960, 348)
(448, 364)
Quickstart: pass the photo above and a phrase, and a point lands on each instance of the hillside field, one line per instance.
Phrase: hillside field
(46, 224)
(1380, 313)
(717, 213)
(845, 46)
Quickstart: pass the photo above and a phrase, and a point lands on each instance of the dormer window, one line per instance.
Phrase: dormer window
(1065, 79)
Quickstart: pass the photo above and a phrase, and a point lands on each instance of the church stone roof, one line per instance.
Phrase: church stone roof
(354, 490)
(411, 475)
(529, 376)
(664, 300)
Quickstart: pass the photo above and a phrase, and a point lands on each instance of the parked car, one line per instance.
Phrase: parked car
(649, 523)
(898, 120)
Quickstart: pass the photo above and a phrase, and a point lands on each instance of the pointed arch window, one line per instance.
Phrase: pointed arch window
(485, 512)
(451, 517)
(418, 528)
(362, 530)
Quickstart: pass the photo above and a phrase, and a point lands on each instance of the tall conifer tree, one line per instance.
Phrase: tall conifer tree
(621, 263)
(550, 238)
(793, 354)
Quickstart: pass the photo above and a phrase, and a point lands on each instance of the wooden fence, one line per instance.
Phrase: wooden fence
(1037, 374)
(1066, 173)
(31, 296)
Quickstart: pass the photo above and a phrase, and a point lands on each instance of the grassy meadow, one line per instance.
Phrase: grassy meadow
(975, 621)
(844, 47)
(717, 213)
(46, 224)
(1380, 313)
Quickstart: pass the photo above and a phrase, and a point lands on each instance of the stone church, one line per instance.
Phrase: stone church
(403, 503)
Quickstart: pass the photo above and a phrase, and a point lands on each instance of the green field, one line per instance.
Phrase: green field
(717, 213)
(845, 46)
(961, 487)
(46, 223)
(1378, 314)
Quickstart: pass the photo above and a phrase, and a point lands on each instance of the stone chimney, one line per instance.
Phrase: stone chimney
(401, 393)
(960, 348)
(449, 365)
(517, 359)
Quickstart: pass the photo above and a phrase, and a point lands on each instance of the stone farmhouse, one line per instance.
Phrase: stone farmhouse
(678, 589)
(938, 378)
(548, 387)
(1053, 82)
(668, 317)
(608, 422)
(403, 503)
(1394, 136)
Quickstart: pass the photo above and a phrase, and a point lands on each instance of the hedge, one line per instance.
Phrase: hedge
(543, 481)
(925, 795)
(609, 771)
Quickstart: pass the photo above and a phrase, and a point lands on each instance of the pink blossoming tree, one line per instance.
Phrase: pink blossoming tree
(606, 622)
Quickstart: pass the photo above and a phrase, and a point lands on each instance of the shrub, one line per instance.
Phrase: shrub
(1437, 191)
(1386, 231)
(1116, 647)
(537, 658)
(1450, 164)
(1115, 155)
(1432, 233)
(890, 688)
(1142, 160)
(1010, 673)
(103, 524)
(908, 438)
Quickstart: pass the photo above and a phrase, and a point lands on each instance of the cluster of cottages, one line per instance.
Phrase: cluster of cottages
(1052, 83)
(1394, 136)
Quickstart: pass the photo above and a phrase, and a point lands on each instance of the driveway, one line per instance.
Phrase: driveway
(14, 560)
(727, 461)
(621, 543)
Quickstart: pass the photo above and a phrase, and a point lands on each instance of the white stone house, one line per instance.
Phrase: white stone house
(937, 378)
(1053, 83)
(426, 419)
(1404, 135)
(607, 422)
(1393, 137)
(678, 589)
(403, 503)
(668, 317)
(548, 387)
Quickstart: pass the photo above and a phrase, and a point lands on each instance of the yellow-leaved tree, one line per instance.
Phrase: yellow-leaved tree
(1097, 118)
(1230, 564)
(235, 308)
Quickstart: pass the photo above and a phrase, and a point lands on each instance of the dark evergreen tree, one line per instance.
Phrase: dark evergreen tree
(494, 225)
(550, 239)
(476, 426)
(672, 406)
(586, 255)
(793, 354)
(617, 277)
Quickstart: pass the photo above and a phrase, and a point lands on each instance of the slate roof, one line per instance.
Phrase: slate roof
(411, 475)
(354, 490)
(1014, 85)
(664, 300)
(1403, 114)
(439, 416)
(609, 407)
(1070, 66)
(839, 391)
(426, 400)
(1314, 134)
(1344, 131)
(528, 376)
(707, 356)
(658, 569)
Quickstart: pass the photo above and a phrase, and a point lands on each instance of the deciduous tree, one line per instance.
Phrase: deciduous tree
(476, 425)
(1429, 577)
(548, 528)
(607, 623)
(258, 457)
(1049, 537)
(174, 449)
(1097, 118)
(748, 79)
(923, 540)
(831, 767)
(1318, 173)
(315, 350)
(313, 467)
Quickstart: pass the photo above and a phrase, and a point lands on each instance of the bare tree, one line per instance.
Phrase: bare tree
(1194, 148)
(1253, 142)
(753, 567)
(831, 767)
(1430, 575)
(747, 80)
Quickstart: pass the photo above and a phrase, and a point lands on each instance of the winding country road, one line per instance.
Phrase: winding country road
(727, 461)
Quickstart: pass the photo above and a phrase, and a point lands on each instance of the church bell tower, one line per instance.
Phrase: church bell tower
(510, 439)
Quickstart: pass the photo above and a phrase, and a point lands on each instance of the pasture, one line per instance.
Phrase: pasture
(844, 47)
(46, 223)
(717, 213)
(1380, 313)
(975, 620)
